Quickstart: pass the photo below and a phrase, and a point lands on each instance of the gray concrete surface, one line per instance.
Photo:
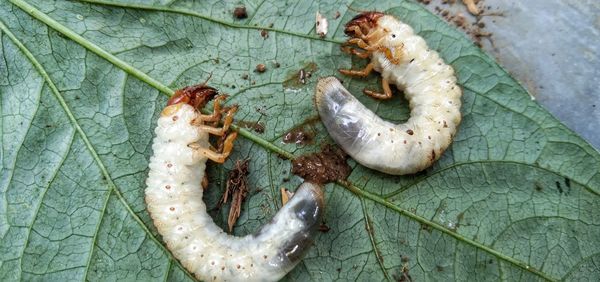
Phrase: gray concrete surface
(553, 48)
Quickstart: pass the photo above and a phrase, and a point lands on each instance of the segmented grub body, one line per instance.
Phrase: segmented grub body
(174, 201)
(402, 58)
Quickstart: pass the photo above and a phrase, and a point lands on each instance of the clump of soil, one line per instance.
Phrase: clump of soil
(237, 189)
(326, 166)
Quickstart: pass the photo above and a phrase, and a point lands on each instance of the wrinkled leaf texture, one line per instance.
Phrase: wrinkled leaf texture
(516, 196)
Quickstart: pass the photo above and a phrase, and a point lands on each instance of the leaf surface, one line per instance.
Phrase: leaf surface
(515, 197)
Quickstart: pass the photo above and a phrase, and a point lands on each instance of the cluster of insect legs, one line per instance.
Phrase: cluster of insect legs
(369, 43)
(197, 96)
(181, 148)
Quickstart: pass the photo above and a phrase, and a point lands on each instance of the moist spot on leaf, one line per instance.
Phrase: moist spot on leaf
(559, 187)
(298, 79)
(459, 219)
(323, 167)
(302, 134)
(257, 126)
(568, 182)
(404, 276)
(299, 136)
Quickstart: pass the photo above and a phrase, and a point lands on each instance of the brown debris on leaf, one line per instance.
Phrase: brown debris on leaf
(264, 33)
(237, 189)
(472, 6)
(240, 12)
(403, 276)
(326, 166)
(472, 23)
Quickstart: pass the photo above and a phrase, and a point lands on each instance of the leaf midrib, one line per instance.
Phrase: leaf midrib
(246, 133)
(111, 185)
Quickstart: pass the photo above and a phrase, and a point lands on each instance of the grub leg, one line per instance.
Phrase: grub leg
(387, 91)
(218, 157)
(352, 51)
(216, 114)
(219, 131)
(362, 73)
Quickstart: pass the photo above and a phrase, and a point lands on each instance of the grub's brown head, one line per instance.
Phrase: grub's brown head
(365, 21)
(196, 96)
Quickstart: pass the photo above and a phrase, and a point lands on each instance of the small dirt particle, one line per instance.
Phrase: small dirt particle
(245, 76)
(322, 167)
(472, 7)
(264, 33)
(459, 20)
(324, 228)
(260, 68)
(240, 12)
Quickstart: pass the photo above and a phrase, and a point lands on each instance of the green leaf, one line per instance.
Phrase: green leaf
(515, 198)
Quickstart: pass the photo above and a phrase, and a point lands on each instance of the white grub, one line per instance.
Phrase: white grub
(429, 86)
(322, 25)
(174, 201)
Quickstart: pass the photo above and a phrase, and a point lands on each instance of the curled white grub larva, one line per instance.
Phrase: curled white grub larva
(378, 144)
(429, 85)
(174, 201)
